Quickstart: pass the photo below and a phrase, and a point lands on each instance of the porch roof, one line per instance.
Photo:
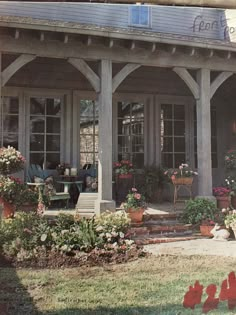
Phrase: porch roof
(196, 27)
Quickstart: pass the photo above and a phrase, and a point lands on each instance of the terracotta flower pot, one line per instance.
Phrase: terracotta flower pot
(136, 215)
(8, 209)
(122, 176)
(206, 230)
(223, 202)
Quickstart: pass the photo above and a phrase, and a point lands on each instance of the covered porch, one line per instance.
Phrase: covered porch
(85, 96)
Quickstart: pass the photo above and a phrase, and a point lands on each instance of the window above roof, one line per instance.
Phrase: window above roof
(140, 16)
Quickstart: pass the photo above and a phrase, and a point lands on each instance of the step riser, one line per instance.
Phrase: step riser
(159, 235)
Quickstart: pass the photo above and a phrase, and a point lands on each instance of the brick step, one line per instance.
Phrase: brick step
(159, 240)
(156, 229)
(161, 217)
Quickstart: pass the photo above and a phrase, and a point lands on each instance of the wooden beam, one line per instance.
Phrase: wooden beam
(111, 43)
(17, 34)
(124, 72)
(192, 51)
(172, 50)
(89, 41)
(153, 47)
(85, 69)
(58, 49)
(220, 79)
(15, 66)
(41, 36)
(66, 38)
(132, 45)
(188, 79)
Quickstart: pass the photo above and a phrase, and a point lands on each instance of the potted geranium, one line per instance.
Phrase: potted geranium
(135, 205)
(11, 161)
(222, 195)
(123, 169)
(183, 175)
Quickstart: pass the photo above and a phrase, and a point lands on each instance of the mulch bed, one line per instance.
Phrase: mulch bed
(53, 259)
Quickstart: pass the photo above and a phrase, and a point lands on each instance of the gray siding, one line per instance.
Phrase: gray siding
(188, 21)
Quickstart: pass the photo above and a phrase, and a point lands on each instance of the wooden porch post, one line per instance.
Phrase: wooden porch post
(204, 134)
(104, 201)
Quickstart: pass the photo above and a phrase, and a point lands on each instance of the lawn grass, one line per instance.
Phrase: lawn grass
(148, 286)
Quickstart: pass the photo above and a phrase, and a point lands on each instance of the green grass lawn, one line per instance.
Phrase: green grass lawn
(154, 285)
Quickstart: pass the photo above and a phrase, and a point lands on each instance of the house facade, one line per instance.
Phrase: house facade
(87, 83)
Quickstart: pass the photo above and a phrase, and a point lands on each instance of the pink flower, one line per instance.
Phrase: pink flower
(173, 177)
(137, 196)
(134, 189)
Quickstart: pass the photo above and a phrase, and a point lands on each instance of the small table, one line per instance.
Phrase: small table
(67, 184)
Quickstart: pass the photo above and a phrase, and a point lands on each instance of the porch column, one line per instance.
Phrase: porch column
(204, 135)
(104, 201)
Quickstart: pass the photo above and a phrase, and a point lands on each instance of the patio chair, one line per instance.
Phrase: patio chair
(36, 175)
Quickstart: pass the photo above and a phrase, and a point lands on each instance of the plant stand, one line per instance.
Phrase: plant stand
(182, 183)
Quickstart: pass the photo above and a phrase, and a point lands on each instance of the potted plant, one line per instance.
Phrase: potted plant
(27, 200)
(135, 205)
(230, 221)
(123, 169)
(183, 175)
(10, 190)
(230, 159)
(222, 195)
(230, 182)
(203, 213)
(11, 160)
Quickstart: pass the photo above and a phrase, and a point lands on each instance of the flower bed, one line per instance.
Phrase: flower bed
(11, 161)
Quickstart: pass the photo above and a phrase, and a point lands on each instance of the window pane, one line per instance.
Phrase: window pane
(167, 144)
(137, 144)
(137, 110)
(86, 125)
(10, 123)
(179, 128)
(123, 144)
(86, 158)
(10, 139)
(37, 158)
(179, 112)
(96, 143)
(168, 128)
(52, 143)
(52, 160)
(134, 15)
(124, 110)
(123, 126)
(86, 143)
(137, 127)
(167, 160)
(179, 144)
(10, 105)
(53, 106)
(144, 15)
(37, 106)
(138, 160)
(179, 159)
(86, 108)
(37, 143)
(53, 125)
(166, 111)
(37, 124)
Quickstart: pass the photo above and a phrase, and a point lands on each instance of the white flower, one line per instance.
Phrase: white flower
(99, 228)
(122, 235)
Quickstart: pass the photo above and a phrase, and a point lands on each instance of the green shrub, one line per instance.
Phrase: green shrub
(200, 209)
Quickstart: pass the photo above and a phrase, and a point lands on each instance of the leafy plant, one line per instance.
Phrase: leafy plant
(134, 200)
(154, 179)
(123, 167)
(198, 210)
(230, 219)
(183, 170)
(11, 160)
(230, 159)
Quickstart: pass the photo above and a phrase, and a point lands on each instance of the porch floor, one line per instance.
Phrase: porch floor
(152, 209)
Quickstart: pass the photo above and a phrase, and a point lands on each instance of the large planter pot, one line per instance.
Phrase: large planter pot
(8, 209)
(223, 202)
(183, 181)
(136, 215)
(233, 201)
(206, 230)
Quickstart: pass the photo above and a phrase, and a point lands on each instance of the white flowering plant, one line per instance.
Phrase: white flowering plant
(112, 226)
(184, 170)
(11, 160)
(230, 183)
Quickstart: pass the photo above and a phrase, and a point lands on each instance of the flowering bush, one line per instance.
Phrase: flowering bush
(183, 170)
(111, 227)
(134, 200)
(230, 219)
(221, 191)
(11, 160)
(123, 167)
(230, 159)
(10, 189)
